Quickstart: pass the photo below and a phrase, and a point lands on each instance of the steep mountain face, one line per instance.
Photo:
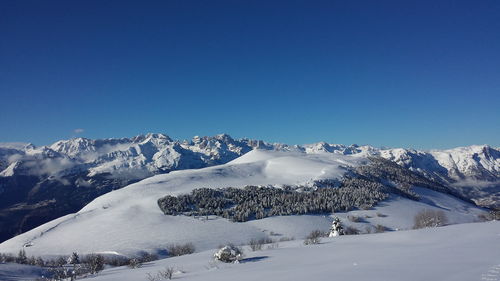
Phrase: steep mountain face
(475, 162)
(473, 172)
(38, 184)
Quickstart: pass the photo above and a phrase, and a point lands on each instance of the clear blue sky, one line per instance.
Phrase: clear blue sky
(422, 74)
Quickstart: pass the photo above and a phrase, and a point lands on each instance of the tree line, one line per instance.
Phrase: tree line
(361, 188)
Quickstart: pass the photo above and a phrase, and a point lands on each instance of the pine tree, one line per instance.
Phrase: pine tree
(21, 257)
(74, 259)
(336, 229)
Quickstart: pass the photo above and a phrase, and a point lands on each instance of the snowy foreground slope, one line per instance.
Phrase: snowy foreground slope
(463, 252)
(128, 221)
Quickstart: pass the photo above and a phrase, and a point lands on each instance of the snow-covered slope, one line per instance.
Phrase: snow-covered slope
(38, 184)
(129, 220)
(453, 253)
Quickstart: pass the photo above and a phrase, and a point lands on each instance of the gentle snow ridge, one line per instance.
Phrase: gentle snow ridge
(129, 220)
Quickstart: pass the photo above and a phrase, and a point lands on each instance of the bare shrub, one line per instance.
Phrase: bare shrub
(314, 237)
(180, 249)
(39, 262)
(134, 263)
(284, 239)
(94, 263)
(152, 277)
(274, 245)
(165, 274)
(256, 244)
(380, 228)
(354, 218)
(430, 218)
(493, 215)
(7, 258)
(60, 261)
(351, 230)
(368, 229)
(148, 257)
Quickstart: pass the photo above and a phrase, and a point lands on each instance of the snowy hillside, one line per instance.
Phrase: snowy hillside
(128, 220)
(38, 184)
(427, 254)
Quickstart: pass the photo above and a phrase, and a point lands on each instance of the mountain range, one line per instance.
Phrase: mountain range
(38, 184)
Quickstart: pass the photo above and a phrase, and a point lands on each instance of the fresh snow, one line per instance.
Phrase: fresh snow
(128, 221)
(20, 272)
(453, 253)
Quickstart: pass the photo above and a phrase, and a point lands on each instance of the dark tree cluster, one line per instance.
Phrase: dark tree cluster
(361, 188)
(395, 178)
(254, 202)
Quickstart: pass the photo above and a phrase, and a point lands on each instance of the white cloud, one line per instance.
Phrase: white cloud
(78, 131)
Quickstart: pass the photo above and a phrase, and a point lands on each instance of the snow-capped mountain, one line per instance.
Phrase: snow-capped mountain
(473, 171)
(130, 220)
(38, 184)
(150, 154)
(477, 162)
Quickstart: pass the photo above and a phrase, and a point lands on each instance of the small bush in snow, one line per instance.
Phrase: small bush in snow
(134, 263)
(493, 215)
(165, 274)
(430, 218)
(148, 257)
(274, 245)
(284, 239)
(380, 215)
(7, 258)
(32, 260)
(380, 228)
(180, 249)
(39, 262)
(228, 254)
(368, 229)
(314, 237)
(256, 244)
(94, 263)
(351, 230)
(354, 218)
(60, 261)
